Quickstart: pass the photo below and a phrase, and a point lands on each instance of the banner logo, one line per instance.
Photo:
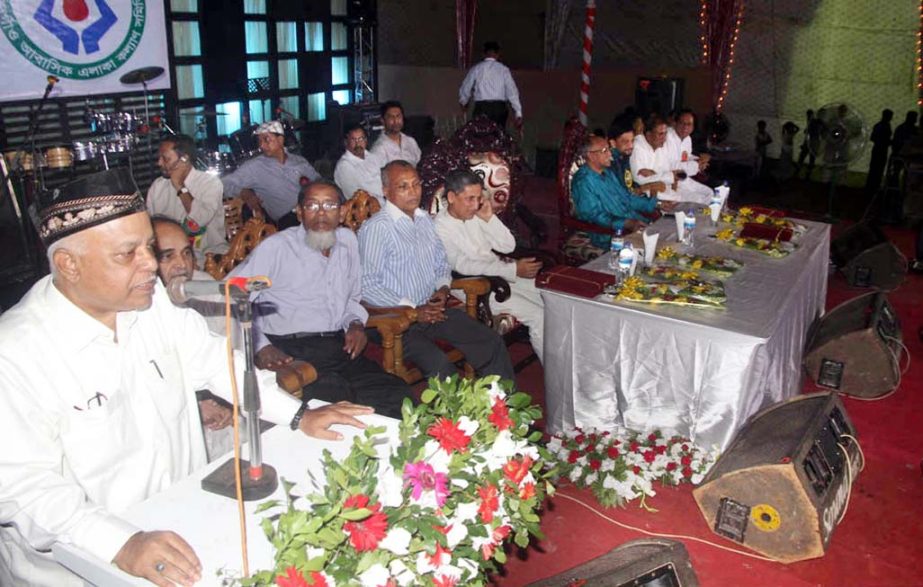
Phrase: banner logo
(76, 39)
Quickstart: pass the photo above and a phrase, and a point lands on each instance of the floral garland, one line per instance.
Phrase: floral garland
(772, 248)
(434, 508)
(681, 292)
(719, 266)
(624, 465)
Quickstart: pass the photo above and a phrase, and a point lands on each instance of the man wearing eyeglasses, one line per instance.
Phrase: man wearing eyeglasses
(312, 310)
(358, 168)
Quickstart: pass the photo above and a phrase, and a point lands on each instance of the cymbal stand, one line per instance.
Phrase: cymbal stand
(147, 120)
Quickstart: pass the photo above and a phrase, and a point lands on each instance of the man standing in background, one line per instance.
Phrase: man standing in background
(493, 86)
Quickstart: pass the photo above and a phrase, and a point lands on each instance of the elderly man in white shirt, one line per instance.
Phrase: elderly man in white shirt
(393, 144)
(651, 162)
(679, 148)
(359, 168)
(99, 371)
(492, 85)
(189, 196)
(470, 233)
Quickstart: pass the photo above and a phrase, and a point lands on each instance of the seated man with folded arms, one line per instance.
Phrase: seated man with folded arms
(679, 148)
(405, 264)
(312, 311)
(651, 162)
(175, 259)
(358, 168)
(392, 143)
(600, 197)
(99, 372)
(270, 181)
(471, 233)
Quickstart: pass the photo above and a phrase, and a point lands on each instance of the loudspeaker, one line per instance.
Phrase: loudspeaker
(855, 348)
(660, 95)
(782, 485)
(648, 562)
(867, 259)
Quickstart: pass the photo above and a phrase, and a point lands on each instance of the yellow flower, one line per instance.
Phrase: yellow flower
(741, 242)
(725, 235)
(697, 264)
(688, 275)
(666, 253)
(761, 219)
(727, 218)
(745, 211)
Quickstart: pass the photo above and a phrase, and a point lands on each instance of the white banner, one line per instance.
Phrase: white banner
(88, 44)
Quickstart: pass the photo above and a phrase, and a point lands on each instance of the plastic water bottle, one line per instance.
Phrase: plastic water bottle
(615, 247)
(689, 227)
(715, 197)
(626, 259)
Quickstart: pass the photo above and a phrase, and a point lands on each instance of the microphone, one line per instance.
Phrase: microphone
(181, 290)
(52, 80)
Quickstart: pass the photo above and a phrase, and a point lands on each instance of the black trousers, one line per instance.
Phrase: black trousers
(484, 349)
(493, 109)
(340, 378)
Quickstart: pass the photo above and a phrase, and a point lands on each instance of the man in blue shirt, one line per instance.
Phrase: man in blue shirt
(405, 264)
(601, 197)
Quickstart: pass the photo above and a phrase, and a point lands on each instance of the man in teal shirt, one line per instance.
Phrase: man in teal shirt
(600, 196)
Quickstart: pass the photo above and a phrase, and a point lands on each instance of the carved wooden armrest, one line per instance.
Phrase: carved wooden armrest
(499, 286)
(375, 311)
(474, 287)
(294, 376)
(391, 324)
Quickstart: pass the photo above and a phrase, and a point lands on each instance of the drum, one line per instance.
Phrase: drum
(217, 163)
(59, 157)
(119, 143)
(84, 151)
(244, 144)
(124, 122)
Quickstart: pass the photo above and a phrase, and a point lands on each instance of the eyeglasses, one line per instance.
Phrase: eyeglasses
(356, 140)
(606, 150)
(317, 206)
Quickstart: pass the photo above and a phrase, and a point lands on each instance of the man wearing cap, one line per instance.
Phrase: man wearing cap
(98, 372)
(492, 85)
(393, 144)
(189, 196)
(271, 181)
(358, 168)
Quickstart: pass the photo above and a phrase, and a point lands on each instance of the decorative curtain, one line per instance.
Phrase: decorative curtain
(465, 13)
(720, 23)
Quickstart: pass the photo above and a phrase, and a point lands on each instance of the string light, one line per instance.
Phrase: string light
(703, 25)
(919, 58)
(722, 94)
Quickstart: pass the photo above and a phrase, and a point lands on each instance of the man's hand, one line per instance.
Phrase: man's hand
(251, 199)
(527, 267)
(463, 108)
(163, 558)
(214, 415)
(668, 206)
(632, 224)
(434, 310)
(655, 188)
(646, 172)
(518, 122)
(485, 210)
(440, 297)
(270, 357)
(355, 340)
(704, 160)
(317, 422)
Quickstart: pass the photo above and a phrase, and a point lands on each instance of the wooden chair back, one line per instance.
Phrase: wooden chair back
(245, 240)
(358, 209)
(234, 216)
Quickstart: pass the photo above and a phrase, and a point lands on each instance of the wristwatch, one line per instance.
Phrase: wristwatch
(296, 421)
(182, 190)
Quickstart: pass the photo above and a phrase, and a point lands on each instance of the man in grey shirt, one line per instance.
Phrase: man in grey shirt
(271, 181)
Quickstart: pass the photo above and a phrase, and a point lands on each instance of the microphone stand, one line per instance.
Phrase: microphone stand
(30, 136)
(258, 480)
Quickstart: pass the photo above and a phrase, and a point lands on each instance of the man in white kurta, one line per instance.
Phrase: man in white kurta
(393, 144)
(471, 232)
(98, 372)
(651, 162)
(678, 146)
(189, 196)
(359, 168)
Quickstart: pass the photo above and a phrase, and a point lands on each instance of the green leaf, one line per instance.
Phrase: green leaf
(427, 396)
(356, 514)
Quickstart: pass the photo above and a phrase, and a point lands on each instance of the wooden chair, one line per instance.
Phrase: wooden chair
(245, 240)
(392, 322)
(234, 216)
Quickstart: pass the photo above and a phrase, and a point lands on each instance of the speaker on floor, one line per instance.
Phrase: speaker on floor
(648, 562)
(867, 258)
(782, 485)
(855, 348)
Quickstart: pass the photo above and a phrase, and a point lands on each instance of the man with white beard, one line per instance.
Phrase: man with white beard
(651, 162)
(312, 310)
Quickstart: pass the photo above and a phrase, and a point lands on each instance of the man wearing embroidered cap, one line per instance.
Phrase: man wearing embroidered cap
(271, 181)
(98, 372)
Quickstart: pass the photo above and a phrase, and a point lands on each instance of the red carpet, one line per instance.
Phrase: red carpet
(876, 544)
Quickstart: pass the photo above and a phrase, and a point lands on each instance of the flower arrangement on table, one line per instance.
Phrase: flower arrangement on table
(720, 266)
(465, 477)
(764, 220)
(707, 294)
(773, 248)
(624, 465)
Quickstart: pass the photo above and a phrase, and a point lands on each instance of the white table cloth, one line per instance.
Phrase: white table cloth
(695, 372)
(209, 522)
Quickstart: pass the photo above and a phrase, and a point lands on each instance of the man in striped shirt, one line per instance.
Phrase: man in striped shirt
(405, 264)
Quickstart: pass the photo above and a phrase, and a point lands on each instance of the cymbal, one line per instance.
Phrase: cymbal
(208, 113)
(141, 75)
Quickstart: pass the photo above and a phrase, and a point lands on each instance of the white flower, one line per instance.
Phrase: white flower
(427, 563)
(554, 445)
(468, 426)
(575, 474)
(607, 465)
(374, 576)
(466, 512)
(458, 531)
(496, 392)
(397, 540)
(390, 486)
(401, 573)
(437, 458)
(582, 461)
(591, 478)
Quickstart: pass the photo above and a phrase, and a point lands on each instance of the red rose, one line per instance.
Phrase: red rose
(685, 447)
(595, 464)
(572, 456)
(686, 460)
(652, 437)
(649, 456)
(687, 472)
(671, 466)
(579, 438)
(634, 446)
(613, 452)
(660, 449)
(636, 470)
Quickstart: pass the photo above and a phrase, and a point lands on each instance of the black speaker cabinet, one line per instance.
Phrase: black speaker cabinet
(782, 484)
(660, 95)
(855, 348)
(865, 256)
(648, 562)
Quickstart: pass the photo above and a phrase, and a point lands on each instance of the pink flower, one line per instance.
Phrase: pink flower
(422, 477)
